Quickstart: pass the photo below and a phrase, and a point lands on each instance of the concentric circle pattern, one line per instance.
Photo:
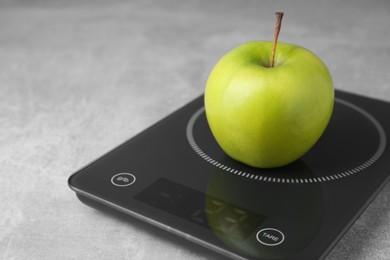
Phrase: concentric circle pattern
(375, 132)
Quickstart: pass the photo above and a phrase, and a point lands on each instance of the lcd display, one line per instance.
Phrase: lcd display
(232, 221)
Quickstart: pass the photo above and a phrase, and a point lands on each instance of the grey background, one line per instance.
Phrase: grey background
(79, 77)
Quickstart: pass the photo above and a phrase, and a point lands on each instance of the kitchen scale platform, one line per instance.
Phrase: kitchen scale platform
(174, 175)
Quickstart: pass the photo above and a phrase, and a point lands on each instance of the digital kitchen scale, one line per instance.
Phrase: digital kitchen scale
(174, 175)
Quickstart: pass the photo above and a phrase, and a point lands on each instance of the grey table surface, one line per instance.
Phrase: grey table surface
(78, 78)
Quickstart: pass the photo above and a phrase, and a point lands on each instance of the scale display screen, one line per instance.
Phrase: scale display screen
(211, 212)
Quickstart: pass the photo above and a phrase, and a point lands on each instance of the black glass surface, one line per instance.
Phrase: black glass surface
(186, 184)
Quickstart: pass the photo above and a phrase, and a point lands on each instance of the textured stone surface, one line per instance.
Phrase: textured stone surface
(79, 77)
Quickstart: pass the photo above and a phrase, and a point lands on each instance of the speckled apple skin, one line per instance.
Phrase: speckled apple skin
(268, 117)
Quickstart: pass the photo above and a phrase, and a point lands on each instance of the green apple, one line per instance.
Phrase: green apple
(268, 116)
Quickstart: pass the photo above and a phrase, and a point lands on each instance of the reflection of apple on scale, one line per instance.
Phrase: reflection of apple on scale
(330, 165)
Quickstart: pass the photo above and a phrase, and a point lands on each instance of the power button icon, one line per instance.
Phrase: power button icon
(123, 179)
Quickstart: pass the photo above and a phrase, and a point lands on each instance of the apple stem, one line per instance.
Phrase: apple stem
(279, 17)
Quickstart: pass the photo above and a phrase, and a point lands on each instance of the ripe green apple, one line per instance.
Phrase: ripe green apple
(267, 116)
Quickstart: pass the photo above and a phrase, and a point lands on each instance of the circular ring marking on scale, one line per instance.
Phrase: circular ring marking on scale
(335, 176)
(270, 237)
(123, 179)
